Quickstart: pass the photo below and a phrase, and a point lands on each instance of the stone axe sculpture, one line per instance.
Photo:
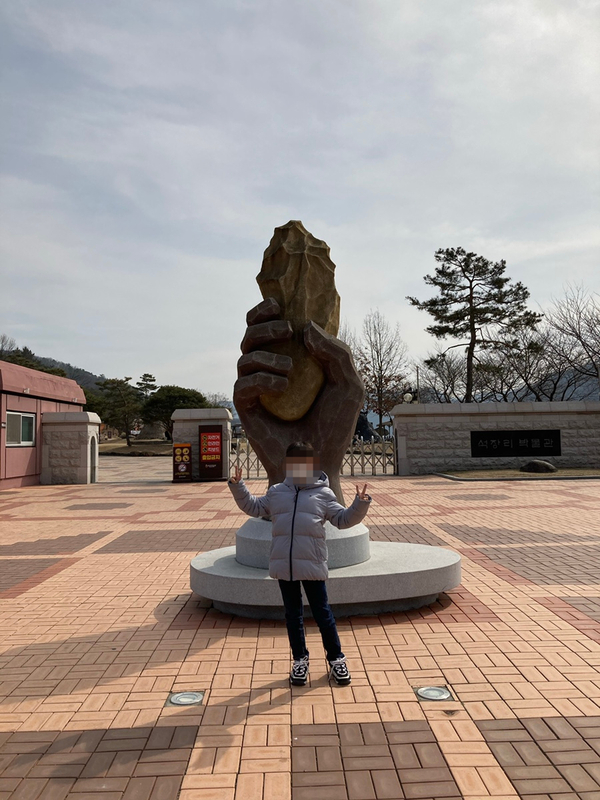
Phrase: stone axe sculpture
(296, 380)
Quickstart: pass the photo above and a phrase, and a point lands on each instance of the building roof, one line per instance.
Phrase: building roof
(22, 380)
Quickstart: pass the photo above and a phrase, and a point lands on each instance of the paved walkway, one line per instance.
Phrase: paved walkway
(98, 626)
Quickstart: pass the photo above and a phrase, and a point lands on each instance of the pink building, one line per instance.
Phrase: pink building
(25, 394)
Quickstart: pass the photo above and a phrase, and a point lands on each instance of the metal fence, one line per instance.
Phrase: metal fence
(363, 457)
(242, 455)
(368, 457)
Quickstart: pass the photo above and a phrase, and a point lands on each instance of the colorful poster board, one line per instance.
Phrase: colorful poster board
(182, 462)
(211, 452)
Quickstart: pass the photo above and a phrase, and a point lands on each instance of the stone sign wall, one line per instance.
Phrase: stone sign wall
(436, 437)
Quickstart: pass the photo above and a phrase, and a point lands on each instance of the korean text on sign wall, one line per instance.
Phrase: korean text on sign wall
(210, 446)
(504, 444)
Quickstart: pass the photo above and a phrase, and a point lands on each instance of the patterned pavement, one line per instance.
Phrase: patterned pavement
(98, 626)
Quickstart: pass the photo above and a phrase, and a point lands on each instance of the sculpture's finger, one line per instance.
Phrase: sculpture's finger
(265, 333)
(261, 360)
(265, 311)
(334, 356)
(249, 388)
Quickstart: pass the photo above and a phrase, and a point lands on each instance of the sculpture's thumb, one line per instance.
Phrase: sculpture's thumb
(334, 356)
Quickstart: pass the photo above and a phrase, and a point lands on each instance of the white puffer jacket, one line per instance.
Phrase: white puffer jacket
(298, 548)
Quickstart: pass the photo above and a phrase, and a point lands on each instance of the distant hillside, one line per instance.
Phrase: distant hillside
(87, 380)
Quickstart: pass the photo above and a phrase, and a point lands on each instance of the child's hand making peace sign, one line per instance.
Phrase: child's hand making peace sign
(237, 475)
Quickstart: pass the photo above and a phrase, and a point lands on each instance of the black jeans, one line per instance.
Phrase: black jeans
(316, 594)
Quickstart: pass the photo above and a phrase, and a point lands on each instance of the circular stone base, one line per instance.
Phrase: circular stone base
(352, 610)
(253, 544)
(397, 577)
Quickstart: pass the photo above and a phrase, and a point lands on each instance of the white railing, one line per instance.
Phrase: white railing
(363, 457)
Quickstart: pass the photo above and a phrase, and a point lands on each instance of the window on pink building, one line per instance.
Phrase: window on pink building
(20, 429)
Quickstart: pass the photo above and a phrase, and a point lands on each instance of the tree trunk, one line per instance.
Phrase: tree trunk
(470, 349)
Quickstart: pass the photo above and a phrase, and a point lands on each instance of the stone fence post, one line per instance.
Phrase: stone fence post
(69, 447)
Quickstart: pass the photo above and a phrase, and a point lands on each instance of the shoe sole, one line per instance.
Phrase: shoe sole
(298, 682)
(343, 682)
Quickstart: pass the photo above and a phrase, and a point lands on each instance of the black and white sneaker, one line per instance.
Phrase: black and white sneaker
(339, 672)
(299, 673)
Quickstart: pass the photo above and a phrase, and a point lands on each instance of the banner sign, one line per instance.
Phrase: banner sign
(505, 444)
(211, 452)
(182, 462)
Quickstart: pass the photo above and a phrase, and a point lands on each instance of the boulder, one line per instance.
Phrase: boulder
(538, 466)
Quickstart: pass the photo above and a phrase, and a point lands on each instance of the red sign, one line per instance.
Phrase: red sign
(211, 452)
(182, 462)
(210, 446)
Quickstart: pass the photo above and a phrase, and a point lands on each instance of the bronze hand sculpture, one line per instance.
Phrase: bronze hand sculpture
(296, 380)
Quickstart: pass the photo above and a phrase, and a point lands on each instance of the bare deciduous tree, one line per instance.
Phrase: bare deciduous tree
(531, 364)
(381, 362)
(443, 376)
(577, 318)
(7, 345)
(539, 365)
(347, 335)
(218, 400)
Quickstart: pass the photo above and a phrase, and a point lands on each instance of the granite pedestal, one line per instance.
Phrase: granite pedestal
(364, 577)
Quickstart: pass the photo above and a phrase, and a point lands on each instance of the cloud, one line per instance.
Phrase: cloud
(152, 148)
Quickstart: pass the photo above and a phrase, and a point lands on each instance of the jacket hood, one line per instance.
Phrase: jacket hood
(319, 482)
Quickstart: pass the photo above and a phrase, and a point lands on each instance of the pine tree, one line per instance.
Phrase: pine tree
(160, 406)
(147, 385)
(122, 404)
(476, 302)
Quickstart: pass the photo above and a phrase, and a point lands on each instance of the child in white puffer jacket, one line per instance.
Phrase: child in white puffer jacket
(299, 507)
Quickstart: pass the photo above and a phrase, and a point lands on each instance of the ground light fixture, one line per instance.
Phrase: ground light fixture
(185, 699)
(433, 693)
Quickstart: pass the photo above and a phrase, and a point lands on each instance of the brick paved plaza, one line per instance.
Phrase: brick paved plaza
(98, 626)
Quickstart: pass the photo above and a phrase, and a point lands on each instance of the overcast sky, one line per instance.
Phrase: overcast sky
(150, 147)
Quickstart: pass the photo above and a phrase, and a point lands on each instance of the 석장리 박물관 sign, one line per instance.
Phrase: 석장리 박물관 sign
(515, 443)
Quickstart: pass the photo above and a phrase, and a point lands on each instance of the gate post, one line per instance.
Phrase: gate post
(69, 447)
(186, 428)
